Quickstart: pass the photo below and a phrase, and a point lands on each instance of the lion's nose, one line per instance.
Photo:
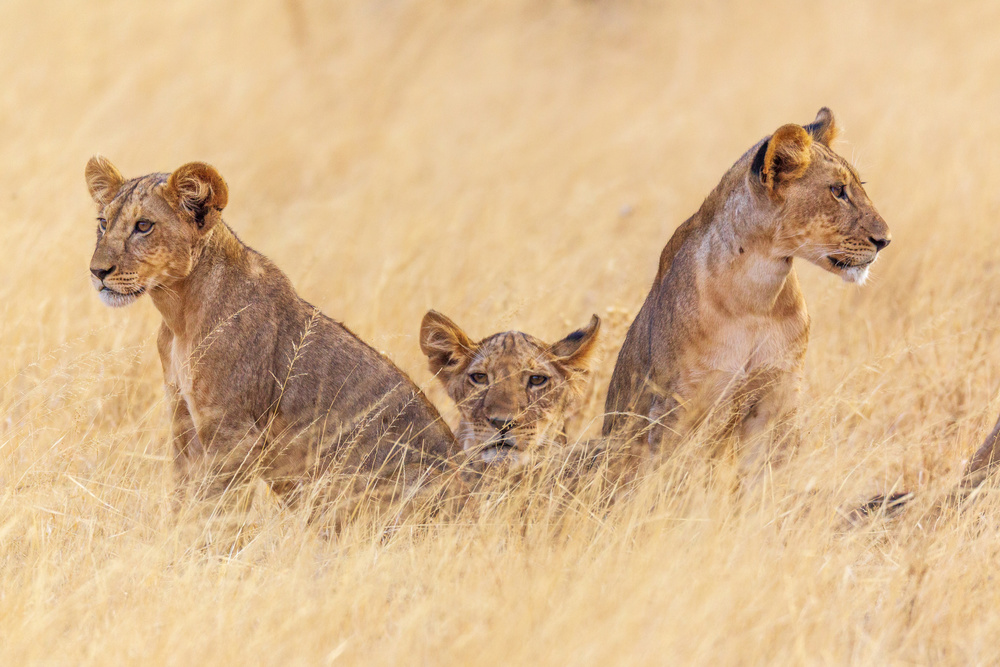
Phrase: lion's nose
(101, 274)
(879, 243)
(502, 424)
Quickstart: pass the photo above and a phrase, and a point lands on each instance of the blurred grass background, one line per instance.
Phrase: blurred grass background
(514, 165)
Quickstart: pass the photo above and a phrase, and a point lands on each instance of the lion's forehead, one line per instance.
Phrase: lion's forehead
(833, 162)
(135, 197)
(511, 353)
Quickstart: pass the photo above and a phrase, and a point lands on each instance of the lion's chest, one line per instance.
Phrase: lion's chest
(749, 345)
(178, 371)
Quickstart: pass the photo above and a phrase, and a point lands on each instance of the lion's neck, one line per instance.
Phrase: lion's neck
(746, 268)
(181, 302)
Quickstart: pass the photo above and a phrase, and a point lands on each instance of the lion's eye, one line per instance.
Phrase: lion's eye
(102, 224)
(478, 378)
(839, 191)
(143, 226)
(537, 380)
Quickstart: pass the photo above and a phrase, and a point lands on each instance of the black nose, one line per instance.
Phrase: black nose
(502, 425)
(101, 274)
(879, 243)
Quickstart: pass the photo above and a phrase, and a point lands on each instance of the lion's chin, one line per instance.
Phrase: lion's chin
(856, 274)
(119, 300)
(850, 273)
(503, 451)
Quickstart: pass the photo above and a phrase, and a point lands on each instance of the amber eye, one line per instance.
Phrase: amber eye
(143, 226)
(478, 378)
(839, 192)
(102, 224)
(537, 380)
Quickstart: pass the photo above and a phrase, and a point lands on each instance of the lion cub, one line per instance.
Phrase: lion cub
(258, 380)
(514, 392)
(724, 328)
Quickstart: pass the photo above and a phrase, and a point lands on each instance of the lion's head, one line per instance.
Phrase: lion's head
(513, 391)
(824, 214)
(150, 229)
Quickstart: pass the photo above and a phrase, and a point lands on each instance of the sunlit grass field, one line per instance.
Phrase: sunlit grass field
(514, 165)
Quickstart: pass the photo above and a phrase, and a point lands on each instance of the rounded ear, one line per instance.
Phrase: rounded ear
(784, 157)
(444, 343)
(575, 350)
(197, 190)
(824, 129)
(103, 179)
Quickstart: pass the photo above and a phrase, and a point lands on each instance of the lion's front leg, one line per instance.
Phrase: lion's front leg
(186, 448)
(216, 483)
(232, 456)
(693, 402)
(663, 431)
(212, 466)
(767, 432)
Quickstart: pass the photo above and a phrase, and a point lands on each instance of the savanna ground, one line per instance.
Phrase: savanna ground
(513, 165)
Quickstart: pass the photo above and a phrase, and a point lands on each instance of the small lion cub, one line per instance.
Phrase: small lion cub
(514, 392)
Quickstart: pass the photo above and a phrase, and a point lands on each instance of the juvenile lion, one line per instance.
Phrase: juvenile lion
(983, 465)
(514, 392)
(259, 381)
(724, 328)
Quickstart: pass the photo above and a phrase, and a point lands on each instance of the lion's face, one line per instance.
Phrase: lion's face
(509, 394)
(825, 215)
(831, 222)
(149, 229)
(513, 392)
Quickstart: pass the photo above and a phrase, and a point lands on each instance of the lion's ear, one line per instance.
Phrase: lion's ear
(103, 179)
(197, 190)
(784, 157)
(445, 344)
(824, 129)
(574, 352)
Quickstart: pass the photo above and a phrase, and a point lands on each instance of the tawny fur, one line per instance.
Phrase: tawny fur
(514, 392)
(981, 468)
(258, 380)
(724, 329)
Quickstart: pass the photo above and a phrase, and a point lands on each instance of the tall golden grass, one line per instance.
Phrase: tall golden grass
(513, 165)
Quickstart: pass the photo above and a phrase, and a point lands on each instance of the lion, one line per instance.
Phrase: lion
(260, 384)
(981, 467)
(724, 329)
(514, 392)
(984, 462)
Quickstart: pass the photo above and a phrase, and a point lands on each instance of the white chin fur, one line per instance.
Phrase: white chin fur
(116, 300)
(498, 454)
(503, 456)
(856, 274)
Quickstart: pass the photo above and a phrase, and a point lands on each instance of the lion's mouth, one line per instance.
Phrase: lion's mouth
(499, 450)
(117, 299)
(845, 264)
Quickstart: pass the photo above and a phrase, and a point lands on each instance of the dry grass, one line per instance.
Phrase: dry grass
(514, 165)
